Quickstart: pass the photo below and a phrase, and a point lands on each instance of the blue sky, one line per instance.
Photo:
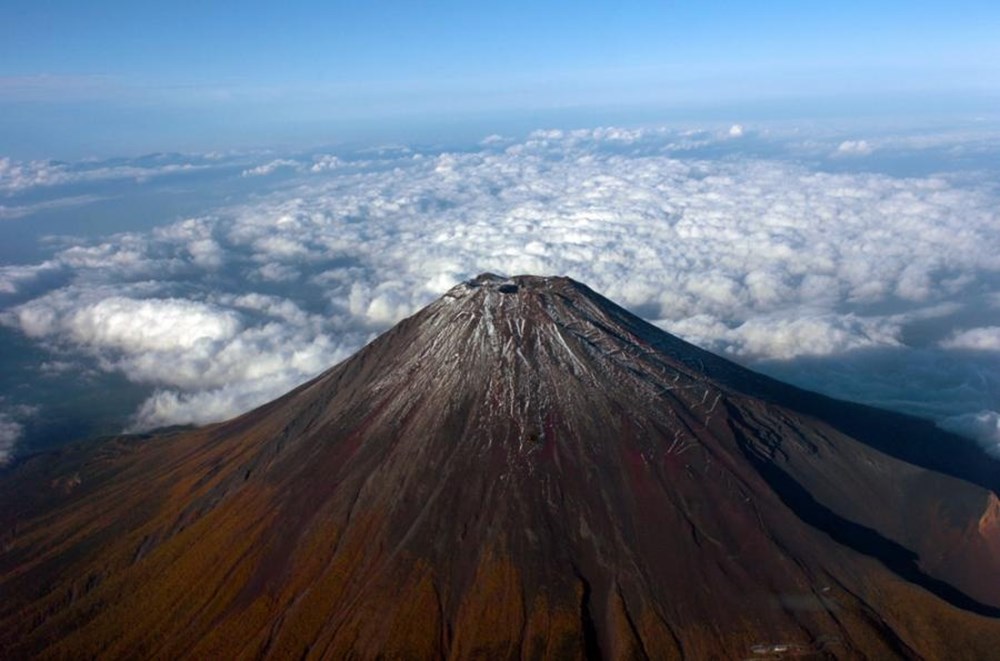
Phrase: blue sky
(104, 78)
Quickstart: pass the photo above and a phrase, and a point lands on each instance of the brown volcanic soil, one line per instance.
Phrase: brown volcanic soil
(520, 470)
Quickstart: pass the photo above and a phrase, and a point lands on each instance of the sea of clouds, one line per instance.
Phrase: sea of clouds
(808, 258)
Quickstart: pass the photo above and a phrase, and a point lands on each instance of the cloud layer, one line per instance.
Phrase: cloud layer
(975, 339)
(769, 260)
(19, 176)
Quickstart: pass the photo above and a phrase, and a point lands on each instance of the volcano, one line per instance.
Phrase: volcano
(521, 470)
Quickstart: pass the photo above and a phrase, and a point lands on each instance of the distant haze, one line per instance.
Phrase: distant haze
(111, 78)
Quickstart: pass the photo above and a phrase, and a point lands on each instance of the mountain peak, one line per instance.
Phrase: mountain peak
(529, 348)
(501, 314)
(521, 469)
(486, 284)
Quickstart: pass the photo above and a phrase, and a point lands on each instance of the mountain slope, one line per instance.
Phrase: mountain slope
(520, 470)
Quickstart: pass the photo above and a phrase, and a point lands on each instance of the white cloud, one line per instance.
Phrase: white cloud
(736, 131)
(24, 210)
(10, 434)
(19, 176)
(148, 325)
(270, 167)
(324, 162)
(244, 345)
(976, 339)
(15, 176)
(206, 253)
(11, 427)
(764, 260)
(983, 426)
(854, 148)
(14, 278)
(788, 336)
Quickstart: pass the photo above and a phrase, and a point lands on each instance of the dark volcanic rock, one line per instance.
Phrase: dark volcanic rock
(520, 470)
